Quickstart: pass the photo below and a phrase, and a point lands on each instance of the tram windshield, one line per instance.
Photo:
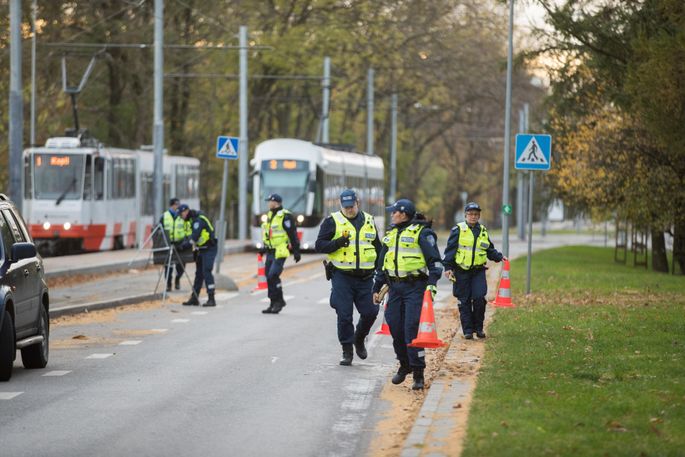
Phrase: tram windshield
(57, 176)
(287, 178)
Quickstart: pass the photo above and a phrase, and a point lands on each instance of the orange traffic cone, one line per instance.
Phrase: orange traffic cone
(385, 328)
(261, 275)
(428, 332)
(503, 298)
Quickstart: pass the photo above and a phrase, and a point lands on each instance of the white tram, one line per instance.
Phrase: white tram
(82, 196)
(310, 178)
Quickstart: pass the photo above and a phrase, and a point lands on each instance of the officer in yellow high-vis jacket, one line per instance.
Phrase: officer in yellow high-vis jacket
(350, 239)
(175, 228)
(279, 235)
(468, 250)
(204, 242)
(411, 265)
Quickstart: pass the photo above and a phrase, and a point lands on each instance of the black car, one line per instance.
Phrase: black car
(24, 302)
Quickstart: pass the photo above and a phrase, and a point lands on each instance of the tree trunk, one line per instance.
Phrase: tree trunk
(679, 247)
(659, 259)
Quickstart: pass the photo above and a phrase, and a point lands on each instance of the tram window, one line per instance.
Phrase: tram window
(88, 179)
(147, 197)
(99, 182)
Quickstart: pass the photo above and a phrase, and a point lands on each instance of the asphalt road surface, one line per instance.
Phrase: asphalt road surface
(173, 380)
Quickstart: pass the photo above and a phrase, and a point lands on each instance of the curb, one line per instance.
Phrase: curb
(130, 300)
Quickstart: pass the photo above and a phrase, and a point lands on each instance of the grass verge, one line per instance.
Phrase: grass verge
(592, 363)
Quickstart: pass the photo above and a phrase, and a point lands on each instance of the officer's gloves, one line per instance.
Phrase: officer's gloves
(342, 242)
(433, 290)
(297, 257)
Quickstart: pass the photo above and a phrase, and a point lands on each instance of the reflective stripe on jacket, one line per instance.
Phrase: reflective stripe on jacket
(471, 252)
(360, 254)
(404, 257)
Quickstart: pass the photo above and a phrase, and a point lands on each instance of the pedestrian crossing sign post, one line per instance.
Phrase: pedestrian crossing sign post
(227, 147)
(533, 152)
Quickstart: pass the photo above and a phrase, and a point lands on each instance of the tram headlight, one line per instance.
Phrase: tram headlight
(67, 225)
(300, 219)
(46, 225)
(263, 218)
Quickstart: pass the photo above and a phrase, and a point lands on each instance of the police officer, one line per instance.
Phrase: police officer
(410, 265)
(350, 239)
(468, 249)
(279, 234)
(204, 242)
(175, 229)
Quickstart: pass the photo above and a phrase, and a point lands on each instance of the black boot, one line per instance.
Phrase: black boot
(277, 306)
(269, 309)
(480, 334)
(401, 374)
(359, 346)
(177, 284)
(192, 301)
(346, 355)
(418, 379)
(210, 301)
(168, 287)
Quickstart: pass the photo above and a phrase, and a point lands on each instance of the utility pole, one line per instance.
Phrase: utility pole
(34, 8)
(326, 83)
(507, 134)
(393, 148)
(16, 112)
(243, 158)
(158, 125)
(369, 113)
(520, 221)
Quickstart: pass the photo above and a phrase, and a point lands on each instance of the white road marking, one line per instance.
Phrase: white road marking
(199, 313)
(226, 295)
(99, 356)
(273, 359)
(130, 342)
(9, 395)
(57, 373)
(324, 301)
(285, 297)
(180, 321)
(159, 330)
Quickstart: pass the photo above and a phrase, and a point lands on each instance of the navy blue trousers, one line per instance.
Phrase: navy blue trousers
(471, 288)
(403, 315)
(203, 270)
(348, 292)
(273, 268)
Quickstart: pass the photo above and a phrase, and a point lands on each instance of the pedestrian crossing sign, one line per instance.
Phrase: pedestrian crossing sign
(533, 152)
(227, 147)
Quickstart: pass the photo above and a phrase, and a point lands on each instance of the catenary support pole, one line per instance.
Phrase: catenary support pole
(369, 113)
(34, 8)
(393, 148)
(158, 125)
(326, 97)
(520, 221)
(243, 153)
(507, 133)
(16, 113)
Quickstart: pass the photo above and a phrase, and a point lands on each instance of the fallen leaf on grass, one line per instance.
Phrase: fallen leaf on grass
(615, 426)
(504, 424)
(79, 337)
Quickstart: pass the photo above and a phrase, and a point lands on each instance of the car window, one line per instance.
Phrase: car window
(19, 222)
(16, 231)
(7, 238)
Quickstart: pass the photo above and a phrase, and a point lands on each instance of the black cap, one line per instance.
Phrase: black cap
(347, 198)
(273, 198)
(404, 206)
(471, 206)
(182, 208)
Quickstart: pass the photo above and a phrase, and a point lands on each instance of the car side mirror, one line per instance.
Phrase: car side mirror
(23, 251)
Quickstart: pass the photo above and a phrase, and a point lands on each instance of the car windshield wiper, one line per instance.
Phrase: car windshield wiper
(66, 191)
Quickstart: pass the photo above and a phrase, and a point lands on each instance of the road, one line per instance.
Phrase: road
(161, 379)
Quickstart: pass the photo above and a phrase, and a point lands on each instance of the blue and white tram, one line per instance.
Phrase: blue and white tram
(310, 178)
(82, 196)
